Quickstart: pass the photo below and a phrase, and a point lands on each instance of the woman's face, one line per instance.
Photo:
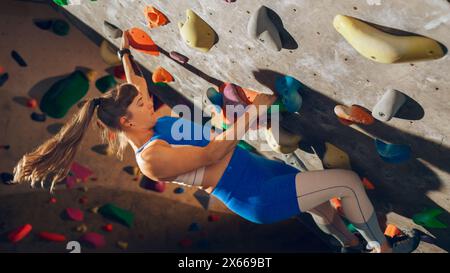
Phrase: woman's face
(142, 114)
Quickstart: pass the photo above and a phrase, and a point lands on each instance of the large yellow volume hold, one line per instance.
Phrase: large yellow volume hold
(196, 32)
(383, 47)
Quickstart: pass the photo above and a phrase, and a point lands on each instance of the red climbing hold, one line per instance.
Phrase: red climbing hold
(141, 41)
(54, 237)
(52, 200)
(108, 227)
(32, 103)
(213, 218)
(80, 171)
(185, 242)
(19, 233)
(75, 214)
(367, 184)
(95, 239)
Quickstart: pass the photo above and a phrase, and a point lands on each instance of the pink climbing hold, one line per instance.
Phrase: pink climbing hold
(54, 237)
(75, 214)
(52, 200)
(80, 171)
(95, 239)
(19, 233)
(178, 57)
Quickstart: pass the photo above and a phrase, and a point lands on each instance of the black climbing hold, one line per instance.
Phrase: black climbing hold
(16, 56)
(43, 24)
(3, 78)
(60, 27)
(38, 117)
(7, 178)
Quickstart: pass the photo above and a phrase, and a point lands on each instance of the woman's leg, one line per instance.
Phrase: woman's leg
(331, 223)
(316, 187)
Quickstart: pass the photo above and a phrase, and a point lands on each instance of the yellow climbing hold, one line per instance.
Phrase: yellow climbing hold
(108, 53)
(335, 158)
(383, 47)
(196, 32)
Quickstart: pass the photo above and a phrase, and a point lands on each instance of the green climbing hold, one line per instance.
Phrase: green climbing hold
(115, 213)
(64, 94)
(427, 218)
(60, 27)
(61, 2)
(105, 83)
(244, 145)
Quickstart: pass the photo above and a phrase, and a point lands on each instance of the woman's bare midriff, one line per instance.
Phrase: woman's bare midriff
(214, 172)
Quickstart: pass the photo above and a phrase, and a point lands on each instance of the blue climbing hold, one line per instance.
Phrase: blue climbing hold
(214, 97)
(3, 78)
(19, 60)
(194, 227)
(178, 190)
(393, 153)
(287, 88)
(38, 117)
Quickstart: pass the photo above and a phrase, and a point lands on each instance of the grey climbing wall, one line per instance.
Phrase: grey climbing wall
(335, 74)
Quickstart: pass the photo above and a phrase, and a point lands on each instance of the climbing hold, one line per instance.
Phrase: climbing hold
(43, 24)
(392, 231)
(428, 218)
(70, 182)
(83, 200)
(214, 97)
(427, 238)
(108, 227)
(194, 227)
(81, 228)
(108, 53)
(61, 2)
(213, 218)
(94, 210)
(230, 1)
(32, 103)
(178, 190)
(3, 78)
(141, 41)
(367, 184)
(161, 75)
(148, 184)
(155, 18)
(6, 147)
(65, 93)
(105, 83)
(335, 158)
(75, 214)
(122, 244)
(84, 189)
(7, 178)
(244, 145)
(111, 30)
(196, 33)
(119, 72)
(80, 172)
(19, 60)
(393, 153)
(52, 200)
(388, 105)
(60, 27)
(19, 233)
(131, 170)
(114, 212)
(185, 242)
(2, 70)
(38, 117)
(285, 143)
(232, 102)
(336, 203)
(178, 57)
(287, 88)
(94, 239)
(382, 47)
(91, 75)
(354, 113)
(53, 237)
(203, 198)
(261, 28)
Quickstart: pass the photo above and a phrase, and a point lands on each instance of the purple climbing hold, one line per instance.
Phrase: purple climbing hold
(38, 117)
(16, 56)
(230, 1)
(3, 78)
(178, 57)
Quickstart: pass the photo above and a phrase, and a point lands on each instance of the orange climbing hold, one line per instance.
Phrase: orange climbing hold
(355, 113)
(337, 204)
(141, 41)
(155, 18)
(161, 75)
(367, 184)
(392, 231)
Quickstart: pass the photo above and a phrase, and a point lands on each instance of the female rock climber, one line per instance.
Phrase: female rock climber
(256, 188)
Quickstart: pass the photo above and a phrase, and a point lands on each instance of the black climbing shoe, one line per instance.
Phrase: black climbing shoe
(407, 243)
(360, 248)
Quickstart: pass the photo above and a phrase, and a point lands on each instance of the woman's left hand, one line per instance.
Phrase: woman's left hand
(125, 43)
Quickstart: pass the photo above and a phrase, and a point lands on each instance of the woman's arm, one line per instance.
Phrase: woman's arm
(165, 162)
(132, 71)
(226, 141)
